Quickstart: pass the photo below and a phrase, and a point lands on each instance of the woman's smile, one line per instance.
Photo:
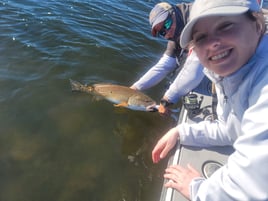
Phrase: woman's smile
(220, 56)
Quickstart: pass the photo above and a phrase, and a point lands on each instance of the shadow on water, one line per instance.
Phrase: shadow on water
(58, 145)
(76, 148)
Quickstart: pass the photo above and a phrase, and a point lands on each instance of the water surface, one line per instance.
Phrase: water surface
(58, 145)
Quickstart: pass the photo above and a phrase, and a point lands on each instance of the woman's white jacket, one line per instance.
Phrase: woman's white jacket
(242, 122)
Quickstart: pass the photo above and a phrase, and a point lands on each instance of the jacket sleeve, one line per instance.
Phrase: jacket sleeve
(188, 78)
(205, 134)
(157, 73)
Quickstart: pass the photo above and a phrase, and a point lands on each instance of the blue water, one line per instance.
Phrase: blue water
(62, 146)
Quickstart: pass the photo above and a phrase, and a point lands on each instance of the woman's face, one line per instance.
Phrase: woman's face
(225, 44)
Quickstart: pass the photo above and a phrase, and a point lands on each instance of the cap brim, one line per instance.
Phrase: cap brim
(160, 19)
(186, 35)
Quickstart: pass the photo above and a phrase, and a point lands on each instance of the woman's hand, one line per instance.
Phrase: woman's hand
(180, 178)
(165, 144)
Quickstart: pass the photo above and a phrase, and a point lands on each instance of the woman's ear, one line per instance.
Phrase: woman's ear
(260, 28)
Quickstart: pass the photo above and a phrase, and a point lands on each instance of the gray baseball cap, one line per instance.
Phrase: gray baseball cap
(159, 13)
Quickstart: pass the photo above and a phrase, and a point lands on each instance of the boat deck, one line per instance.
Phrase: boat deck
(205, 160)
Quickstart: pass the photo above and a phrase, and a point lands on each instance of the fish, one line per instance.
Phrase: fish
(121, 96)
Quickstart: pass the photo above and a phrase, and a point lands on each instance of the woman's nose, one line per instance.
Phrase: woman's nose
(213, 41)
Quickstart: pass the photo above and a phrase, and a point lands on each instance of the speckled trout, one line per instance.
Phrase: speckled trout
(121, 96)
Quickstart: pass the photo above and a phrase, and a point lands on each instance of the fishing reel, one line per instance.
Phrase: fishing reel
(192, 104)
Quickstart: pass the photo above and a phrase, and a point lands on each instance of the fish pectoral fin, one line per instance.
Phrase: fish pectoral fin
(122, 104)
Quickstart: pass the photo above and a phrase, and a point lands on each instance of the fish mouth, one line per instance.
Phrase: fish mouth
(151, 108)
(221, 56)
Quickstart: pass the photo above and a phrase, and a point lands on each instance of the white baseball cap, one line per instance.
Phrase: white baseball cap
(205, 8)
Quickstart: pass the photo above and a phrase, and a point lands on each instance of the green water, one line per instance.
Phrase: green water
(64, 146)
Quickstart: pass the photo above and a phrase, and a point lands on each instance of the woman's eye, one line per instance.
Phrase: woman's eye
(226, 27)
(198, 38)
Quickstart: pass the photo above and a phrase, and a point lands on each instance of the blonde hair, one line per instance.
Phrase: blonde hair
(259, 18)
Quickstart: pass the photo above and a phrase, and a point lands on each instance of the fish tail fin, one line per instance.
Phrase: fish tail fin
(77, 86)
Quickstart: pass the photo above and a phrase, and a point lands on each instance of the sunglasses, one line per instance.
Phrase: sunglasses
(166, 27)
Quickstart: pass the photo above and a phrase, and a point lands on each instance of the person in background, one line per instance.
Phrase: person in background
(229, 39)
(168, 21)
